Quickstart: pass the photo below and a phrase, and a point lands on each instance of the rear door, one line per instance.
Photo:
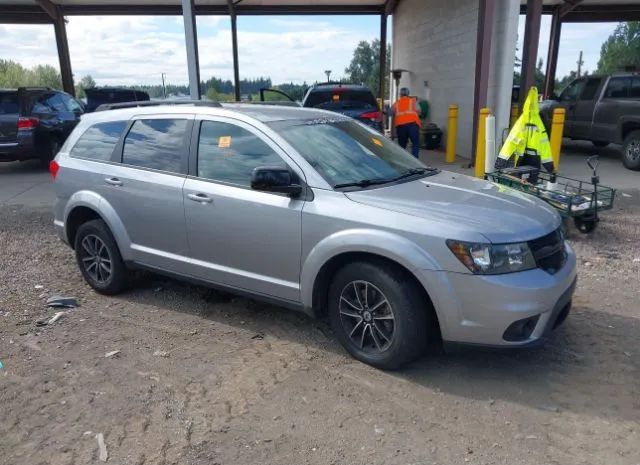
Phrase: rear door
(615, 104)
(145, 188)
(238, 236)
(584, 108)
(9, 113)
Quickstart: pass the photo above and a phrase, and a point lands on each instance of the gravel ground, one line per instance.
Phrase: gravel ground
(201, 378)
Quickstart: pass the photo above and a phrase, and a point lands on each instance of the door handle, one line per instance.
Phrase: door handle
(200, 198)
(113, 181)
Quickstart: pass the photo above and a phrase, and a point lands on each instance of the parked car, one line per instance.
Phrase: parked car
(316, 212)
(35, 122)
(97, 96)
(603, 110)
(351, 100)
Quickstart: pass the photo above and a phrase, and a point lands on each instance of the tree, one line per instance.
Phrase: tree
(365, 66)
(13, 74)
(622, 49)
(86, 82)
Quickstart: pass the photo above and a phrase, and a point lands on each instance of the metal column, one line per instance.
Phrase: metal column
(55, 13)
(530, 47)
(483, 61)
(552, 54)
(191, 39)
(383, 55)
(234, 44)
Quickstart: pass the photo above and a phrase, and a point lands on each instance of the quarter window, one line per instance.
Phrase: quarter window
(635, 88)
(229, 153)
(618, 88)
(98, 142)
(156, 143)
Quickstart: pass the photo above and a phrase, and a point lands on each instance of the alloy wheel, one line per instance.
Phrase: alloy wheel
(366, 316)
(633, 150)
(96, 258)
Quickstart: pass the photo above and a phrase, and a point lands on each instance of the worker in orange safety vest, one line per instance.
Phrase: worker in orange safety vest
(406, 113)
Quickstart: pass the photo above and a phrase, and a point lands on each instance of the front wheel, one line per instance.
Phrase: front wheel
(631, 151)
(99, 258)
(379, 314)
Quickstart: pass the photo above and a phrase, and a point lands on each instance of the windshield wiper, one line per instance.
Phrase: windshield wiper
(414, 171)
(363, 183)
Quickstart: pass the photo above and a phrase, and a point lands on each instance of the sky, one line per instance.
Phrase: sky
(137, 50)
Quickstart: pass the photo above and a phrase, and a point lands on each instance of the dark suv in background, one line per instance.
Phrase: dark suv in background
(35, 122)
(351, 100)
(97, 96)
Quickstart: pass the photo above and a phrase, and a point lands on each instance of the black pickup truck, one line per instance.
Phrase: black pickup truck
(603, 110)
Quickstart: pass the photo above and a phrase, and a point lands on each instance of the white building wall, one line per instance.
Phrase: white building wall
(436, 41)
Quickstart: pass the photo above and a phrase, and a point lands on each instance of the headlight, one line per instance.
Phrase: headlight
(493, 258)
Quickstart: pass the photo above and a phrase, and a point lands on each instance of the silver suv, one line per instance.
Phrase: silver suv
(318, 213)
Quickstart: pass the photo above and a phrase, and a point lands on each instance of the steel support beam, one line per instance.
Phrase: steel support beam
(191, 40)
(234, 45)
(483, 62)
(60, 29)
(530, 47)
(383, 56)
(552, 55)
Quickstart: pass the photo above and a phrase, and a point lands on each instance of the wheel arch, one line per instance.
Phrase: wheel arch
(85, 206)
(628, 127)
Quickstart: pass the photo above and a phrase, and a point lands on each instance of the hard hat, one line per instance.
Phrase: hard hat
(404, 92)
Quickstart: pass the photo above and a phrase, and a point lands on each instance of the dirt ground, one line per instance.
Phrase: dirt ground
(202, 380)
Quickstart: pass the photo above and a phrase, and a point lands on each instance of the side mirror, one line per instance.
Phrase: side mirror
(274, 179)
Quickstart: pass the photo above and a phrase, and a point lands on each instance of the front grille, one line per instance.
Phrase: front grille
(549, 252)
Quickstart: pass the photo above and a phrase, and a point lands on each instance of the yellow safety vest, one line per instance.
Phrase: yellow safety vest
(528, 135)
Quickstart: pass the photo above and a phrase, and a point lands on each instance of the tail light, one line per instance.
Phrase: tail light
(54, 167)
(372, 115)
(27, 123)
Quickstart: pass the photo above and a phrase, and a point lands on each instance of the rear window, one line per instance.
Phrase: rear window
(341, 99)
(98, 142)
(156, 143)
(8, 103)
(618, 87)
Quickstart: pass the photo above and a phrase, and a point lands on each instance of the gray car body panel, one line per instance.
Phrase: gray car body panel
(274, 247)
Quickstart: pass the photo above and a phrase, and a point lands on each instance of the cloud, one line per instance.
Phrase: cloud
(138, 49)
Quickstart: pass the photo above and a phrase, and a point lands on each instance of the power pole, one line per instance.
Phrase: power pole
(164, 90)
(580, 63)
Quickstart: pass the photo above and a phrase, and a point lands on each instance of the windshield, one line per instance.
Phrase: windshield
(345, 153)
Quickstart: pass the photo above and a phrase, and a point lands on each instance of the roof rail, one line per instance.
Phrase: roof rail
(155, 103)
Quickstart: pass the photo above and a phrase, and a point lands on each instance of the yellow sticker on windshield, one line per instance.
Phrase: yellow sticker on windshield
(378, 142)
(224, 142)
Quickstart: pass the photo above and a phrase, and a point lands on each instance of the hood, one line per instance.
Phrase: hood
(498, 212)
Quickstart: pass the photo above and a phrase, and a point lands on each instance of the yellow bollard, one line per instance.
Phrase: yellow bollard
(515, 112)
(452, 134)
(555, 139)
(481, 142)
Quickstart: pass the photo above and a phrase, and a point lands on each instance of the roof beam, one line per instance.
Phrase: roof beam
(567, 7)
(52, 10)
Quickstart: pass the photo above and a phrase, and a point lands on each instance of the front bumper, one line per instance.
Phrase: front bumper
(474, 309)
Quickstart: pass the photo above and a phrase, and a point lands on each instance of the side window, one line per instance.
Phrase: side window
(70, 104)
(590, 89)
(572, 91)
(56, 102)
(98, 142)
(156, 143)
(618, 88)
(634, 92)
(229, 153)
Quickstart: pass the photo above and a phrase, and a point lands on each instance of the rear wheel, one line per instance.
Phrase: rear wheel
(600, 143)
(379, 314)
(99, 259)
(585, 226)
(51, 150)
(631, 151)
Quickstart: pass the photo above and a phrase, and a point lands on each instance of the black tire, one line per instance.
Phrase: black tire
(50, 151)
(412, 314)
(117, 278)
(585, 226)
(631, 151)
(600, 143)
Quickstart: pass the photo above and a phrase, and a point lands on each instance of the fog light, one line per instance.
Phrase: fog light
(521, 330)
